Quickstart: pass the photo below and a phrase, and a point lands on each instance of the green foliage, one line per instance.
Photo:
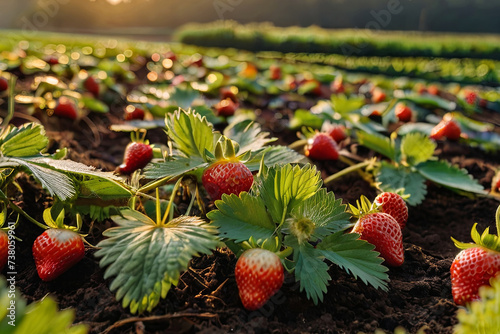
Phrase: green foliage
(483, 315)
(41, 317)
(146, 258)
(288, 203)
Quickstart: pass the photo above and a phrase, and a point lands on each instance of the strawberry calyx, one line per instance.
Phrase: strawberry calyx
(271, 244)
(58, 223)
(486, 239)
(363, 207)
(225, 151)
(139, 136)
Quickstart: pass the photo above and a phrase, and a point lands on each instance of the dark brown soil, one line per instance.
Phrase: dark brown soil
(206, 300)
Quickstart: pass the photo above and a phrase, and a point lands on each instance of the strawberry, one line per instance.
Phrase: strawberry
(226, 107)
(394, 205)
(337, 85)
(470, 97)
(433, 90)
(250, 71)
(4, 248)
(472, 268)
(321, 147)
(66, 108)
(384, 232)
(226, 176)
(55, 251)
(259, 275)
(91, 85)
(403, 112)
(274, 72)
(132, 113)
(378, 95)
(137, 156)
(229, 93)
(4, 84)
(52, 60)
(447, 128)
(338, 133)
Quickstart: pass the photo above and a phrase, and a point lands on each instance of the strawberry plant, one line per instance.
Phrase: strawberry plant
(476, 264)
(288, 203)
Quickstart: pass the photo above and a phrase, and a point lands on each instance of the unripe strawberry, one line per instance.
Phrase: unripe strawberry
(55, 251)
(226, 177)
(259, 275)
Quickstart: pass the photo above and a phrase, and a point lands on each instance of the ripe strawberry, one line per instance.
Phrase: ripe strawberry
(66, 108)
(137, 156)
(403, 112)
(55, 251)
(447, 128)
(91, 85)
(470, 97)
(472, 268)
(4, 84)
(132, 113)
(274, 72)
(321, 147)
(229, 93)
(378, 95)
(226, 177)
(337, 85)
(52, 60)
(338, 133)
(226, 107)
(394, 205)
(4, 248)
(259, 275)
(433, 90)
(383, 231)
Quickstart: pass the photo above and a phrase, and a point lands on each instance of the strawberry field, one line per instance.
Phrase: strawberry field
(136, 176)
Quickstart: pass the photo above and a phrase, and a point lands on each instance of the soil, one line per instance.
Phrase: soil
(206, 299)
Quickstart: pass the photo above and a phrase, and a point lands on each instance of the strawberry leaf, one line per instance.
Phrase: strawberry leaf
(146, 259)
(443, 173)
(344, 105)
(392, 178)
(239, 217)
(190, 133)
(356, 257)
(417, 148)
(274, 155)
(28, 140)
(303, 117)
(285, 187)
(173, 168)
(248, 135)
(378, 143)
(310, 269)
(327, 213)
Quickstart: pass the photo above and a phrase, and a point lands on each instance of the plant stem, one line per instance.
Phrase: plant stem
(31, 219)
(347, 170)
(297, 144)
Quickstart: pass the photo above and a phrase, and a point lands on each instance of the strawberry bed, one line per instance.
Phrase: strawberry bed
(205, 299)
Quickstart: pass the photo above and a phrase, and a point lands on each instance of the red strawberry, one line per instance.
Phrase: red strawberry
(226, 177)
(226, 107)
(4, 248)
(137, 156)
(52, 60)
(259, 275)
(132, 113)
(274, 72)
(470, 97)
(338, 85)
(472, 268)
(383, 231)
(378, 95)
(55, 251)
(403, 112)
(433, 90)
(497, 183)
(393, 204)
(321, 147)
(66, 108)
(4, 84)
(338, 133)
(446, 128)
(229, 93)
(91, 85)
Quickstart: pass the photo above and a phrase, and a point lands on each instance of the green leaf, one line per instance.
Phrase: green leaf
(191, 133)
(327, 213)
(146, 259)
(94, 105)
(378, 143)
(302, 117)
(27, 140)
(356, 257)
(248, 135)
(174, 168)
(183, 98)
(284, 187)
(417, 148)
(442, 172)
(55, 182)
(344, 105)
(275, 155)
(239, 217)
(310, 269)
(431, 101)
(392, 178)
